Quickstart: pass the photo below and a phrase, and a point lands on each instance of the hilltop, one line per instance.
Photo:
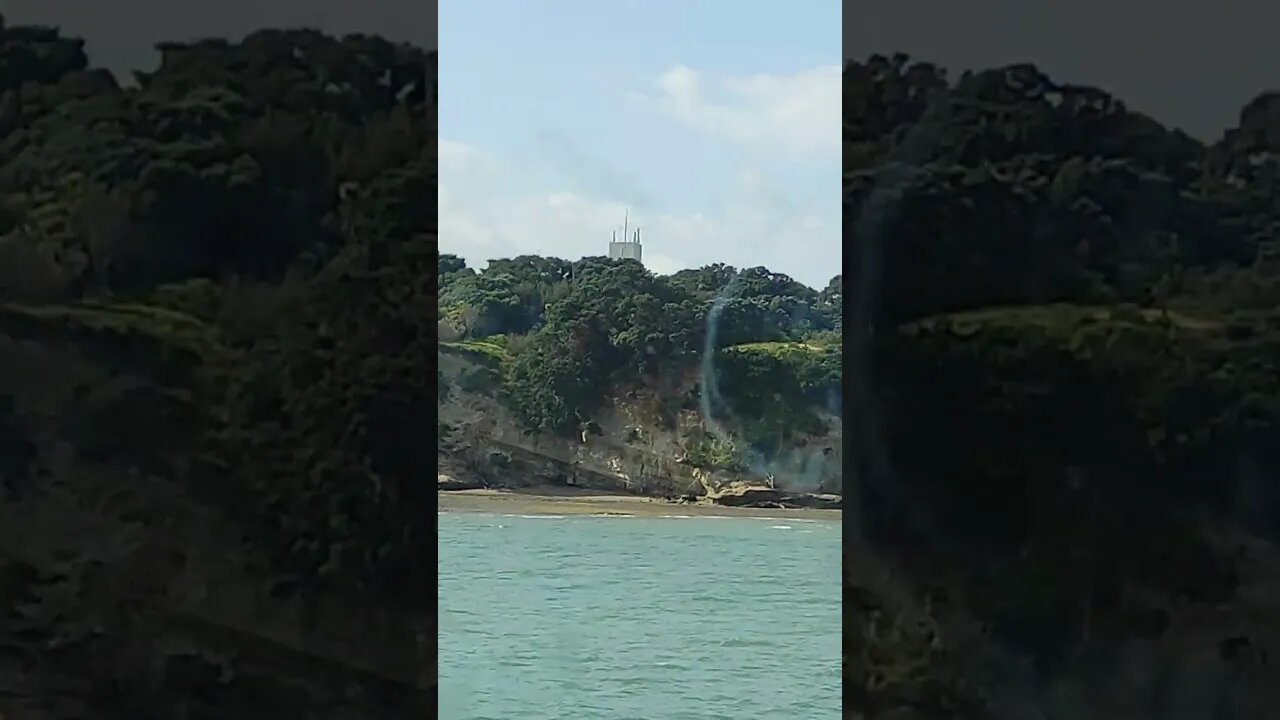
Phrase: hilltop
(1066, 406)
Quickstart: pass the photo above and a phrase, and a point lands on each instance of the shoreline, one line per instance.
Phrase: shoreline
(565, 501)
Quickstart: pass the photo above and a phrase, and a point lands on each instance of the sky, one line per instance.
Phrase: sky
(121, 34)
(1190, 64)
(554, 116)
(715, 124)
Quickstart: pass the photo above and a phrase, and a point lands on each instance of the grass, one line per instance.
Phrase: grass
(486, 350)
(1060, 317)
(161, 324)
(781, 349)
(137, 329)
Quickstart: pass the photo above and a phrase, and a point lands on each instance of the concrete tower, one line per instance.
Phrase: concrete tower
(626, 249)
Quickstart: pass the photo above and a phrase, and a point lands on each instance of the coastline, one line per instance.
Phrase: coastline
(566, 501)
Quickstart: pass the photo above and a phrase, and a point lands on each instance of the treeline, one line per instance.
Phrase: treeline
(574, 334)
(228, 159)
(1006, 187)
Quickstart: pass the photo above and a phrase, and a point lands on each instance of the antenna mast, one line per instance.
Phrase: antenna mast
(627, 248)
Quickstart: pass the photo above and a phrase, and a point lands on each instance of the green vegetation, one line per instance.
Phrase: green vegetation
(1074, 350)
(485, 350)
(243, 242)
(1074, 346)
(247, 231)
(570, 336)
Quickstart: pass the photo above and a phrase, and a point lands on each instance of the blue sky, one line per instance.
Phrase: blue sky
(716, 123)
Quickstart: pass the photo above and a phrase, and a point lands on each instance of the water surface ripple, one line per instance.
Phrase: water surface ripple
(613, 618)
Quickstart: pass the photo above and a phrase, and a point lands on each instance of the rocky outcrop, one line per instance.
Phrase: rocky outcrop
(447, 482)
(765, 497)
(625, 451)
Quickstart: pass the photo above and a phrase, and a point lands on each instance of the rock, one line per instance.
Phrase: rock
(764, 497)
(446, 483)
(748, 496)
(821, 501)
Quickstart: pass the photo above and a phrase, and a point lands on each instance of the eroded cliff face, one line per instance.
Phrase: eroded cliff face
(1069, 537)
(123, 595)
(631, 446)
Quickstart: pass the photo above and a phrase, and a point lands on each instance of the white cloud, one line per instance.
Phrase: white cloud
(494, 207)
(797, 115)
(484, 216)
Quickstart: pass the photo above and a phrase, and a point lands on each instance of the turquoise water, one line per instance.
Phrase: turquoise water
(617, 618)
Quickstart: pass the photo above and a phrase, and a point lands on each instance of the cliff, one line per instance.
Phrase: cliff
(633, 444)
(164, 250)
(1065, 406)
(127, 592)
(602, 373)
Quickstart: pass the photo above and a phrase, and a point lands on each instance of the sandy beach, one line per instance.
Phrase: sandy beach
(567, 501)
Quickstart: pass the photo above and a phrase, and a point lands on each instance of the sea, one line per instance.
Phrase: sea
(638, 618)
